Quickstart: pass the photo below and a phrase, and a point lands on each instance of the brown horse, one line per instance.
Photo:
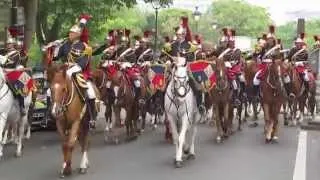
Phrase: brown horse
(250, 69)
(298, 97)
(272, 99)
(124, 100)
(221, 97)
(72, 118)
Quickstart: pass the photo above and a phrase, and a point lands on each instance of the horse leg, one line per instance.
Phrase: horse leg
(181, 141)
(192, 135)
(268, 122)
(239, 114)
(227, 119)
(84, 143)
(3, 120)
(68, 147)
(21, 127)
(276, 112)
(168, 133)
(219, 124)
(302, 103)
(28, 134)
(295, 113)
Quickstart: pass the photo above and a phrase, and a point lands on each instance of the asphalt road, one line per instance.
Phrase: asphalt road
(244, 156)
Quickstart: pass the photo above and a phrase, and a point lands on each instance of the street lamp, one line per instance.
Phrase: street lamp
(156, 6)
(197, 14)
(214, 26)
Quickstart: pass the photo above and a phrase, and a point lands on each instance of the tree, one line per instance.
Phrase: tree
(245, 18)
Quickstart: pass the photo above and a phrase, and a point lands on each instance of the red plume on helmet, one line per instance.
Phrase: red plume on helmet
(302, 35)
(167, 39)
(272, 29)
(147, 34)
(225, 31)
(137, 38)
(83, 19)
(197, 38)
(185, 25)
(264, 36)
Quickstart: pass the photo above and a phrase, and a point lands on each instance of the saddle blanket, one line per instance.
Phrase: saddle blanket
(234, 71)
(21, 81)
(202, 73)
(263, 68)
(157, 77)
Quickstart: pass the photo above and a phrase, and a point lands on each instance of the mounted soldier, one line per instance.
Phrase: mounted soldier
(124, 52)
(316, 44)
(108, 49)
(183, 50)
(13, 59)
(76, 52)
(199, 53)
(270, 52)
(232, 58)
(298, 55)
(182, 47)
(143, 48)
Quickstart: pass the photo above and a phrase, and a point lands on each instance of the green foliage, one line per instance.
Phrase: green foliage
(247, 19)
(34, 54)
(288, 32)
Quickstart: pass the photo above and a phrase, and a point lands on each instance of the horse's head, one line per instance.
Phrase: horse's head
(59, 87)
(118, 84)
(275, 74)
(222, 80)
(180, 81)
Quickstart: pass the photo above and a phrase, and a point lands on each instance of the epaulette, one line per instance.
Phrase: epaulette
(193, 47)
(88, 49)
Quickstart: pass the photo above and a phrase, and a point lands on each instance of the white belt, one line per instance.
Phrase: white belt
(267, 60)
(300, 63)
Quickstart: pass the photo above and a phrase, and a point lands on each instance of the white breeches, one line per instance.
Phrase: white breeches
(74, 69)
(242, 78)
(256, 81)
(234, 84)
(48, 92)
(137, 83)
(90, 90)
(305, 75)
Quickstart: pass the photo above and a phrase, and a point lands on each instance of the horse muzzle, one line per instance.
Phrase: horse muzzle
(181, 91)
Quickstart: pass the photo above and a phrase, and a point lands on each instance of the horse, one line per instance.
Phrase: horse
(297, 98)
(71, 115)
(124, 101)
(10, 115)
(181, 109)
(250, 69)
(272, 99)
(222, 101)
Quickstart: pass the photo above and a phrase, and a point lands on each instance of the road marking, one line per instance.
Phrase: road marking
(301, 157)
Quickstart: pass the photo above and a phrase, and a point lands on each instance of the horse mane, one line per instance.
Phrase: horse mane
(56, 68)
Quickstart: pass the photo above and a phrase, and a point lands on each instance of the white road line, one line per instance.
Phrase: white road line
(301, 157)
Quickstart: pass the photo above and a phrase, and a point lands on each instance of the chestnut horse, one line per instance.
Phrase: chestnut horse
(272, 99)
(124, 99)
(298, 97)
(221, 97)
(72, 119)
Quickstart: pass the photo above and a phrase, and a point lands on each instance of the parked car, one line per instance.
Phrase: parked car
(40, 117)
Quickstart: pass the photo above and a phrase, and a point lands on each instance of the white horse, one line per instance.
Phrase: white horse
(181, 111)
(10, 114)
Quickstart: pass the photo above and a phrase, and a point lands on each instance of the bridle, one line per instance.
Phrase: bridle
(178, 83)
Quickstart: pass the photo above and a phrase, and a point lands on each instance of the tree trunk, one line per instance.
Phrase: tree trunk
(30, 11)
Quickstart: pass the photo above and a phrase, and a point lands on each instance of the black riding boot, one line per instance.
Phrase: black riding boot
(92, 114)
(235, 98)
(200, 104)
(306, 85)
(256, 89)
(243, 89)
(288, 88)
(21, 104)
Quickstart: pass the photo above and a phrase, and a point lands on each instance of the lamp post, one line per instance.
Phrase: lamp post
(197, 14)
(156, 6)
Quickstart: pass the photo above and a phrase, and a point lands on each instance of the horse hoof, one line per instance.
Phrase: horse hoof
(267, 141)
(286, 123)
(83, 170)
(18, 155)
(191, 157)
(186, 151)
(239, 129)
(218, 139)
(275, 139)
(116, 141)
(253, 125)
(178, 164)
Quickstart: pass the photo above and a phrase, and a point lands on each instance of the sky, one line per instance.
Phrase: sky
(281, 11)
